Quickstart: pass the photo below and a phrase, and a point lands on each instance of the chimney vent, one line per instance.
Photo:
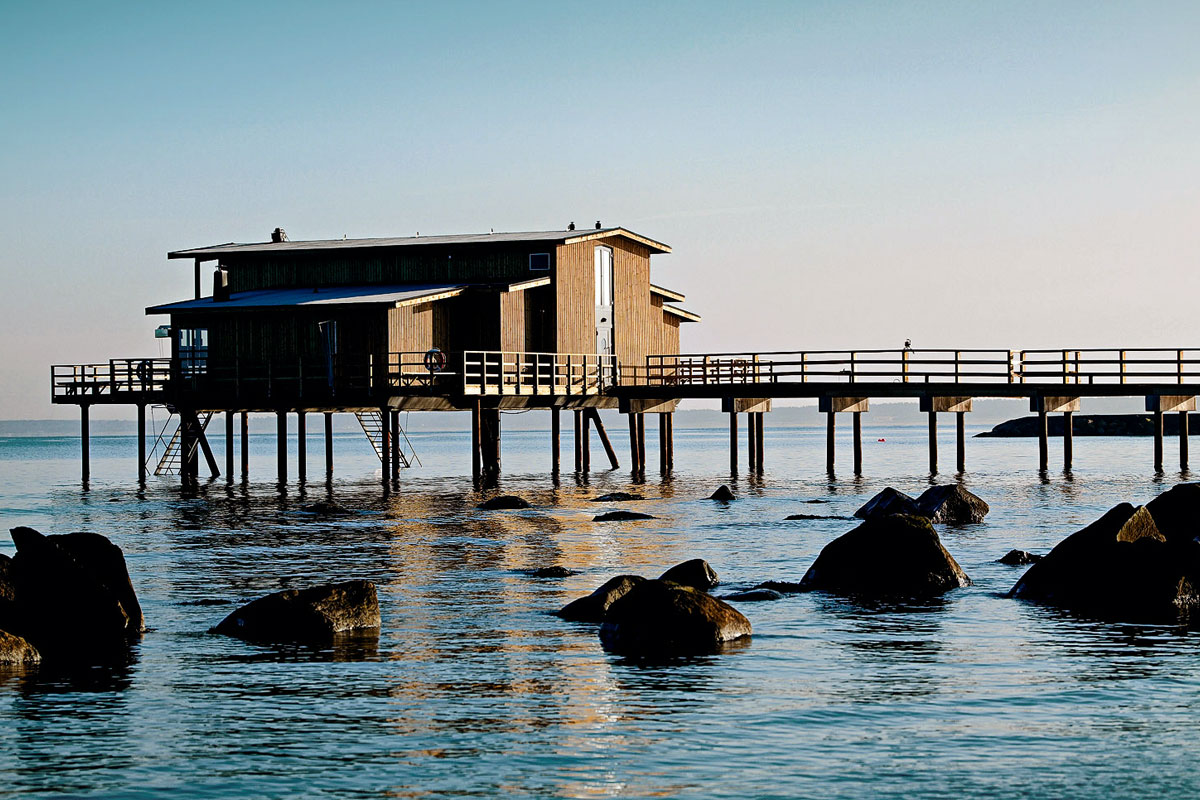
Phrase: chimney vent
(220, 285)
(597, 224)
(279, 235)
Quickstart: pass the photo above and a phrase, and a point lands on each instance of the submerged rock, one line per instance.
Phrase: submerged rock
(1017, 558)
(594, 606)
(327, 508)
(316, 613)
(71, 596)
(617, 497)
(754, 595)
(504, 502)
(889, 501)
(794, 517)
(696, 573)
(893, 556)
(552, 572)
(1122, 566)
(783, 587)
(659, 618)
(951, 503)
(723, 494)
(15, 650)
(621, 516)
(1176, 513)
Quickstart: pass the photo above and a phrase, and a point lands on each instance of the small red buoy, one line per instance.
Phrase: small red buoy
(881, 440)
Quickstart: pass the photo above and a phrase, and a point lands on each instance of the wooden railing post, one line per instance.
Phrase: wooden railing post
(957, 371)
(1065, 370)
(804, 367)
(1121, 357)
(904, 364)
(853, 356)
(1179, 365)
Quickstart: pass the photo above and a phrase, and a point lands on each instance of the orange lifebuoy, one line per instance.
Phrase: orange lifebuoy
(435, 360)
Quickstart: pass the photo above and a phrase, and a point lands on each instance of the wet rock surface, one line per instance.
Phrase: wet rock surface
(952, 504)
(621, 516)
(888, 501)
(898, 555)
(504, 502)
(659, 617)
(594, 606)
(756, 595)
(696, 573)
(783, 587)
(617, 497)
(327, 508)
(723, 494)
(795, 517)
(552, 572)
(313, 614)
(15, 650)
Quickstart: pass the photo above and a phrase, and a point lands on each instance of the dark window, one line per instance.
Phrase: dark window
(539, 261)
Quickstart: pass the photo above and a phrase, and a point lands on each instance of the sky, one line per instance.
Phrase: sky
(829, 175)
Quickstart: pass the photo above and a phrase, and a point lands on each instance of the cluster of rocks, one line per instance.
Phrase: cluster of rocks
(1088, 425)
(671, 614)
(1135, 564)
(66, 597)
(947, 503)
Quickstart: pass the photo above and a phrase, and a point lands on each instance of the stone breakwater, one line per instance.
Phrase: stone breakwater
(1093, 425)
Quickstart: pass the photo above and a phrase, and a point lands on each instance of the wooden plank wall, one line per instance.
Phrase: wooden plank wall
(575, 298)
(416, 265)
(512, 321)
(634, 319)
(664, 329)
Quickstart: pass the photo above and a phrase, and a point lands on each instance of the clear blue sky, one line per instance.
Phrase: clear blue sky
(829, 174)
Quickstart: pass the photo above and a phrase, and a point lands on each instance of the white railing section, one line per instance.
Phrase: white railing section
(494, 372)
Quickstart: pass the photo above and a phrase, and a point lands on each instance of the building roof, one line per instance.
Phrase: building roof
(394, 296)
(684, 316)
(322, 245)
(668, 294)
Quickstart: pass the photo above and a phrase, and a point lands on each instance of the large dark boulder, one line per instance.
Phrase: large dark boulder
(327, 508)
(504, 502)
(15, 650)
(1120, 567)
(313, 614)
(552, 572)
(8, 593)
(1176, 513)
(893, 556)
(73, 596)
(594, 606)
(755, 595)
(889, 501)
(951, 503)
(696, 573)
(663, 618)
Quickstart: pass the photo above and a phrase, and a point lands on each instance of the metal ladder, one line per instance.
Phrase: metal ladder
(172, 455)
(372, 425)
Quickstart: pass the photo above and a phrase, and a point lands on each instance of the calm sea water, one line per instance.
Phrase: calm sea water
(474, 689)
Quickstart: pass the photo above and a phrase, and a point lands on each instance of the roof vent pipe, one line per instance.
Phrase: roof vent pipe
(278, 235)
(220, 285)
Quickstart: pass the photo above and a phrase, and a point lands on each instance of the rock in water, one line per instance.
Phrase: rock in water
(889, 501)
(783, 587)
(593, 607)
(952, 504)
(8, 594)
(894, 556)
(1121, 567)
(15, 650)
(552, 572)
(1176, 513)
(695, 573)
(621, 516)
(723, 494)
(313, 614)
(73, 596)
(504, 502)
(661, 618)
(1017, 558)
(617, 497)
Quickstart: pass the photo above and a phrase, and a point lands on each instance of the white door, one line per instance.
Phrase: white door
(604, 300)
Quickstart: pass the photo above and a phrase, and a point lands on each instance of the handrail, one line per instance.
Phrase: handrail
(140, 375)
(504, 372)
(1067, 367)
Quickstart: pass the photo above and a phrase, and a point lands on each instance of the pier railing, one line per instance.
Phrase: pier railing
(117, 376)
(1076, 366)
(493, 372)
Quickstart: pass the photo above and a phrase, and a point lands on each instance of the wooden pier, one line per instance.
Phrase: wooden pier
(841, 382)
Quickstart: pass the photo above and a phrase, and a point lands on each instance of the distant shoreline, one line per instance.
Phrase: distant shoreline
(1093, 425)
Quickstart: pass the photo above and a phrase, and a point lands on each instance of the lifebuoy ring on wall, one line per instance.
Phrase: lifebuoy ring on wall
(435, 360)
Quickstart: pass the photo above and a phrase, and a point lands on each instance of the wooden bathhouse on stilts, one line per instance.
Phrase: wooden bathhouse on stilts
(479, 322)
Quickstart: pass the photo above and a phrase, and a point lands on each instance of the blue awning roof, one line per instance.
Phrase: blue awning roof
(394, 296)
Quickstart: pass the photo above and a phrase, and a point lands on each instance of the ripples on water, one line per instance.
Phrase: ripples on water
(474, 689)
